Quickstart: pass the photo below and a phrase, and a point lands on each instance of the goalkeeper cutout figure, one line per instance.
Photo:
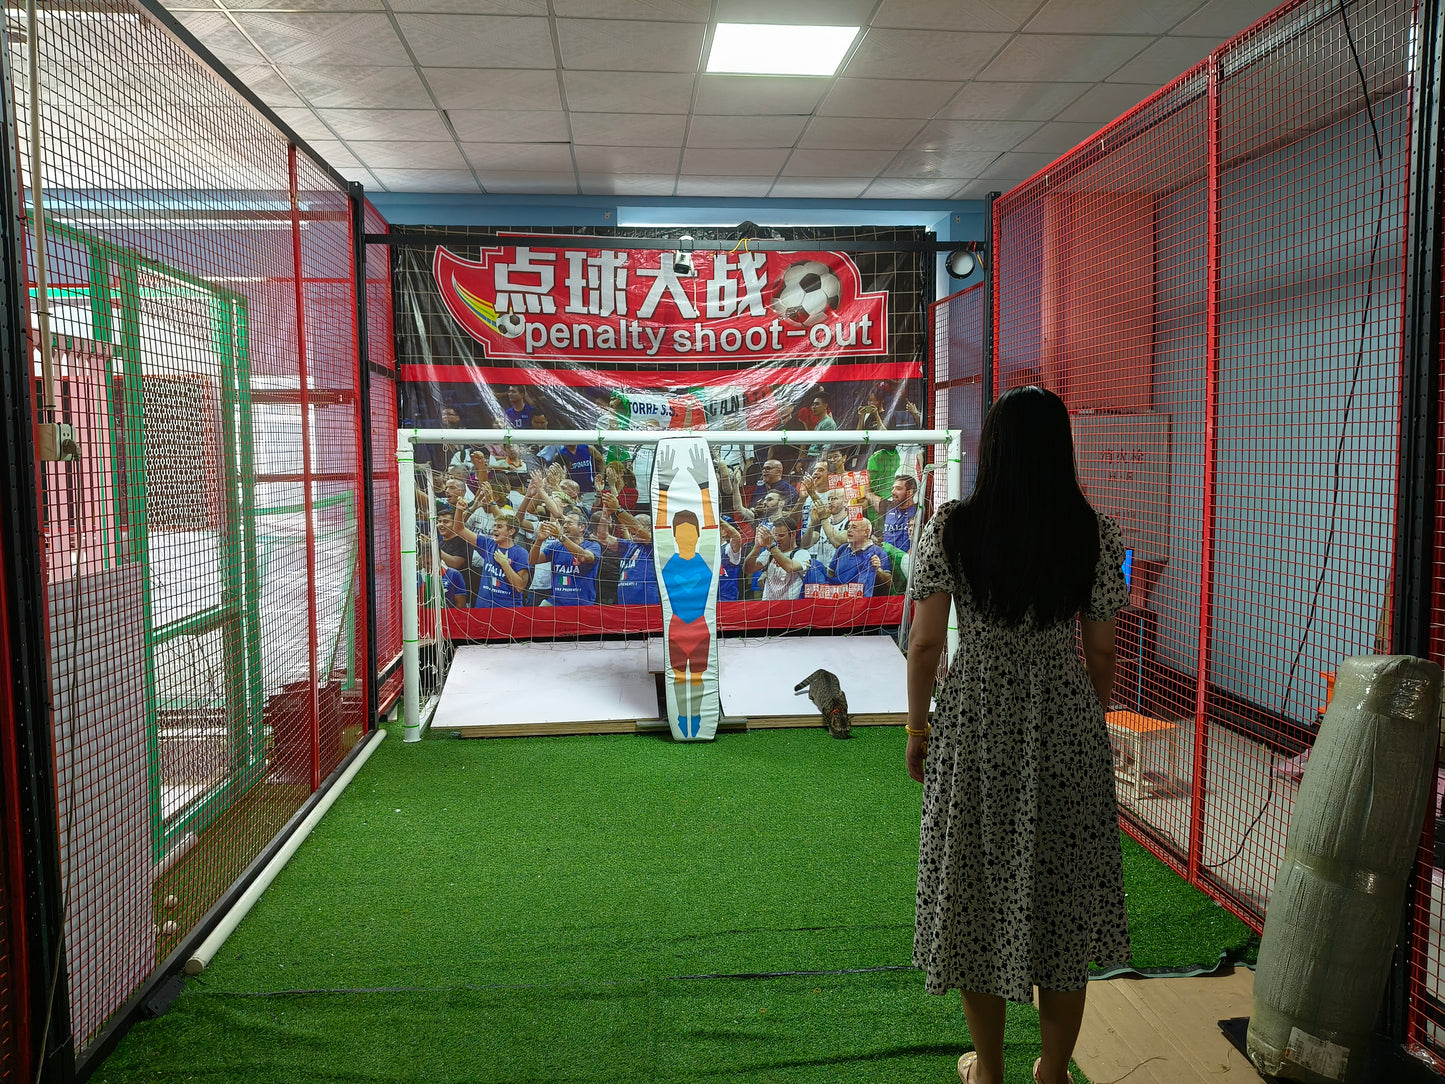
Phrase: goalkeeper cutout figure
(687, 578)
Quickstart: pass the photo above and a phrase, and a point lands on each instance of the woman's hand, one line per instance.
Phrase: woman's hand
(917, 750)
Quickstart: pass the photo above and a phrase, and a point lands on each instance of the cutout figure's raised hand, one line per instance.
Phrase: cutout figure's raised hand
(697, 464)
(665, 469)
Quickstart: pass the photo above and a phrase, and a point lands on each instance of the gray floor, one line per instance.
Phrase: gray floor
(1243, 784)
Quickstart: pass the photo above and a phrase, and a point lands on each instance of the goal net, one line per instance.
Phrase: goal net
(546, 536)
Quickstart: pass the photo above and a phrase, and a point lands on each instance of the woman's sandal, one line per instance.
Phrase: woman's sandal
(965, 1064)
(1068, 1075)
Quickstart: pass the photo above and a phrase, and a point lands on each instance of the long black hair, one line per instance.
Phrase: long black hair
(1027, 539)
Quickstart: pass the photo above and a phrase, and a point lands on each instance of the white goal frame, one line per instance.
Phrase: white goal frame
(407, 440)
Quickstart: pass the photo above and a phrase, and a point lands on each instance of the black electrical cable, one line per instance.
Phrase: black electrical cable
(1344, 428)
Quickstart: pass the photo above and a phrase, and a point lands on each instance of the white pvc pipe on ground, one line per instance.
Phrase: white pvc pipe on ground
(202, 957)
(410, 652)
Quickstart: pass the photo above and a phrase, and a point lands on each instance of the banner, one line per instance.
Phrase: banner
(571, 335)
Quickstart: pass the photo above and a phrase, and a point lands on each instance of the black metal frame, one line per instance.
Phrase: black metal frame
(1418, 501)
(50, 1040)
(990, 279)
(363, 395)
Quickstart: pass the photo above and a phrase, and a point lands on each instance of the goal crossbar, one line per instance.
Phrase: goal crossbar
(407, 441)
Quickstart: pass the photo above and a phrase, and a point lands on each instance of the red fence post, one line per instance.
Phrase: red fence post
(303, 379)
(1212, 317)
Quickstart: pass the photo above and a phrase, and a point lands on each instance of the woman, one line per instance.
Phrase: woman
(1020, 880)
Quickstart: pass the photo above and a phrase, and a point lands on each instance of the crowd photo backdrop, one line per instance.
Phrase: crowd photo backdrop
(706, 333)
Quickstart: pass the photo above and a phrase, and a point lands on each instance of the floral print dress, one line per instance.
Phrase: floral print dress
(1020, 878)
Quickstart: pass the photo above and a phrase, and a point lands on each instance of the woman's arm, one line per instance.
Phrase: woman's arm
(927, 638)
(1097, 639)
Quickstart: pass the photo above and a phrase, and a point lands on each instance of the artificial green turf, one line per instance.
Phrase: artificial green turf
(562, 908)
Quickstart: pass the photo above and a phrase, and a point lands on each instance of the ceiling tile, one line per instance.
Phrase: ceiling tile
(928, 165)
(836, 163)
(361, 175)
(1106, 101)
(472, 7)
(305, 123)
(1165, 60)
(628, 129)
(733, 163)
(739, 95)
(923, 54)
(861, 133)
(335, 153)
(301, 5)
(1012, 101)
(1019, 165)
(327, 87)
(532, 157)
(597, 45)
(399, 155)
(521, 182)
(494, 88)
(723, 132)
(983, 186)
(427, 180)
(996, 15)
(628, 92)
(735, 187)
(919, 98)
(973, 135)
(305, 38)
(269, 86)
(820, 187)
(478, 41)
(509, 125)
(796, 12)
(1058, 137)
(1222, 19)
(628, 184)
(912, 188)
(386, 124)
(218, 34)
(1110, 16)
(682, 11)
(1070, 58)
(627, 159)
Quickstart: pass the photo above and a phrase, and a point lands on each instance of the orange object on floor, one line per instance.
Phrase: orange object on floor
(1129, 733)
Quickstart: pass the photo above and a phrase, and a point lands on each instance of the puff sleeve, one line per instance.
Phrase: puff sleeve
(931, 571)
(1110, 593)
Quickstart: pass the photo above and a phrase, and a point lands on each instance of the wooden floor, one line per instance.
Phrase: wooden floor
(1165, 1031)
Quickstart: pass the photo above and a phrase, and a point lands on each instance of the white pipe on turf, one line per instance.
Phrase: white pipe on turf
(410, 651)
(202, 957)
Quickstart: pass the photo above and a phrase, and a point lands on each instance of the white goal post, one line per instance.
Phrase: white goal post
(408, 440)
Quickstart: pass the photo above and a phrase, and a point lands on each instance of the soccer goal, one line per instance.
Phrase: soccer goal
(542, 541)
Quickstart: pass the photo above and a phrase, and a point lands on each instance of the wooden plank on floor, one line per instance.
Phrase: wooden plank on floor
(1166, 1030)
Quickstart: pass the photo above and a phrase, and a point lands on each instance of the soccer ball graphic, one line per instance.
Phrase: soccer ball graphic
(806, 292)
(511, 324)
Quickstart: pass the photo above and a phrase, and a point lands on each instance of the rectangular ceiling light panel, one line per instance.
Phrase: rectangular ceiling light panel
(767, 49)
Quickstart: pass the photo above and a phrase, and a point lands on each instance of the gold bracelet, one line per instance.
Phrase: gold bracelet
(917, 733)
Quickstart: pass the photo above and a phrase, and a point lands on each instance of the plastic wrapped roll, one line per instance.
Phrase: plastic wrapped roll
(1329, 932)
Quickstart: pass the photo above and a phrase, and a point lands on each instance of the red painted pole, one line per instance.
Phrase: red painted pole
(308, 498)
(363, 580)
(1212, 317)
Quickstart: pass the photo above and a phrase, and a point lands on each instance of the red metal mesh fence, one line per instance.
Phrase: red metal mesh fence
(386, 575)
(202, 551)
(957, 326)
(1212, 284)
